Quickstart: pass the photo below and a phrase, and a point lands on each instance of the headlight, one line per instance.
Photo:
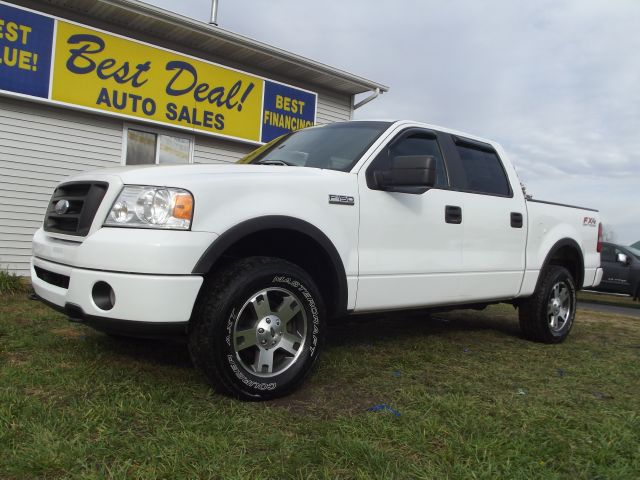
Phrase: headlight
(152, 207)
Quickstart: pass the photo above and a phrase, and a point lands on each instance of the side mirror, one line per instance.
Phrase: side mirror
(408, 174)
(623, 259)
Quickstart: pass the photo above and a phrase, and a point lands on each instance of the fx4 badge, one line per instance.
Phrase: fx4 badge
(589, 222)
(341, 200)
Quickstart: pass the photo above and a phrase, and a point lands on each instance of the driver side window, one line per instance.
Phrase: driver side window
(414, 144)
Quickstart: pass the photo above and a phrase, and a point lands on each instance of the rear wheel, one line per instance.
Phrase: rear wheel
(547, 316)
(258, 328)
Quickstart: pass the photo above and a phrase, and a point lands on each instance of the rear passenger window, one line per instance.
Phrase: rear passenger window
(483, 170)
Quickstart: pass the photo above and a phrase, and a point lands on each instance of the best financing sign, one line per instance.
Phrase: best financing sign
(65, 63)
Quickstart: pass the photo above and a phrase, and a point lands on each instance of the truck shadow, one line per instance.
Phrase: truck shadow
(172, 353)
(364, 329)
(349, 332)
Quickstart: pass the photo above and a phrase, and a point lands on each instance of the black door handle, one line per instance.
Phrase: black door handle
(516, 220)
(453, 214)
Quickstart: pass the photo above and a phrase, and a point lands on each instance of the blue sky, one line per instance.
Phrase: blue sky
(557, 82)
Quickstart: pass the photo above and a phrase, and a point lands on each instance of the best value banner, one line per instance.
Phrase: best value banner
(99, 71)
(25, 52)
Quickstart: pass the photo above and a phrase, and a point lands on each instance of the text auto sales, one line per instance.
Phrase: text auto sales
(80, 62)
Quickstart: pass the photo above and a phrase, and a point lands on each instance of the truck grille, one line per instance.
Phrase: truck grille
(77, 204)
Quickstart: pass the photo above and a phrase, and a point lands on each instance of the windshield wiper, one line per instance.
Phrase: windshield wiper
(277, 162)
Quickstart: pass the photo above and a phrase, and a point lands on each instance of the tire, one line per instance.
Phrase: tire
(636, 292)
(250, 349)
(547, 316)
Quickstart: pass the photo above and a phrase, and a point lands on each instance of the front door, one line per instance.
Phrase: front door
(616, 275)
(410, 255)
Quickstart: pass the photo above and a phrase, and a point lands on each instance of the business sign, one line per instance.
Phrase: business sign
(25, 52)
(69, 64)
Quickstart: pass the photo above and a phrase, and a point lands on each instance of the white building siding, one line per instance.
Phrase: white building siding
(333, 108)
(39, 146)
(213, 150)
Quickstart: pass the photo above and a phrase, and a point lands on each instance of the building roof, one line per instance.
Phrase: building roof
(138, 16)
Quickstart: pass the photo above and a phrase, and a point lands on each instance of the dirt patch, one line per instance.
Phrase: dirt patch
(37, 392)
(17, 358)
(604, 320)
(68, 332)
(22, 321)
(326, 402)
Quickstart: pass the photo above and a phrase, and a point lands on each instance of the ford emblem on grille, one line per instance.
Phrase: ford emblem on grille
(62, 206)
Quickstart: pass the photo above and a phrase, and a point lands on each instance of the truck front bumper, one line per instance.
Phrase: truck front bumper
(126, 303)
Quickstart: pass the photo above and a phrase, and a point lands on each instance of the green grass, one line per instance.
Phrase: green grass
(607, 299)
(476, 401)
(11, 284)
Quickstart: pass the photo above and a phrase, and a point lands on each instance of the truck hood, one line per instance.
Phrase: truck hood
(183, 175)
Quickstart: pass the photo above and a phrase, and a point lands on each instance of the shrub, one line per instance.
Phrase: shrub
(10, 283)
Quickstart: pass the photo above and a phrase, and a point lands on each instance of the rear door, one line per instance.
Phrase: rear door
(494, 220)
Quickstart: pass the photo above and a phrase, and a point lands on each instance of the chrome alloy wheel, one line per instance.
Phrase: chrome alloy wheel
(269, 332)
(559, 306)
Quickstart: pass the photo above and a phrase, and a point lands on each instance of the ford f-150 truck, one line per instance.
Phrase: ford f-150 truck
(250, 260)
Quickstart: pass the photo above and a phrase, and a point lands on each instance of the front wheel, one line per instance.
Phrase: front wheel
(547, 316)
(258, 328)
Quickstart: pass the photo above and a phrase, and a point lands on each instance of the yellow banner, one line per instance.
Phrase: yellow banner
(101, 71)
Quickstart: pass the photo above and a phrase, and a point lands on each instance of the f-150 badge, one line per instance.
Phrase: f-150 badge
(341, 200)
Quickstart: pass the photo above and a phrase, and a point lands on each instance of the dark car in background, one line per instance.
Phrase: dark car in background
(621, 267)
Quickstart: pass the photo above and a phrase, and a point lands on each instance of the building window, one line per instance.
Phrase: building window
(149, 147)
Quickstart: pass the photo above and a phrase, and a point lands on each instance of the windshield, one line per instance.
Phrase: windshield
(337, 146)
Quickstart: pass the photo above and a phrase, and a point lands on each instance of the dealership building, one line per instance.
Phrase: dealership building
(93, 84)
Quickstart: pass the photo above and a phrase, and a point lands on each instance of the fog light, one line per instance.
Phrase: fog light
(103, 296)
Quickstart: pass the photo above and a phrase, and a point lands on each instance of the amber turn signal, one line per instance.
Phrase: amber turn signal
(183, 206)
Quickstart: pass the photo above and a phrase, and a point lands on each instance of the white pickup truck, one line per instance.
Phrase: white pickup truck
(250, 260)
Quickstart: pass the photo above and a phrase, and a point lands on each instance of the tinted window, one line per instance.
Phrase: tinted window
(484, 171)
(414, 144)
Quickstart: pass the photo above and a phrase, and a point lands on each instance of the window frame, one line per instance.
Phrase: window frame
(459, 141)
(157, 132)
